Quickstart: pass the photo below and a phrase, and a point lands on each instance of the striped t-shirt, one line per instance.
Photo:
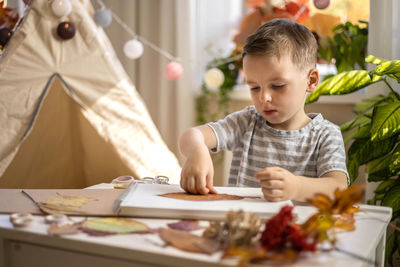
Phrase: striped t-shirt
(311, 151)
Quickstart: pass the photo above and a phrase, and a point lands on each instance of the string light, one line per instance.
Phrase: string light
(174, 69)
(214, 78)
(102, 17)
(61, 7)
(133, 49)
(140, 38)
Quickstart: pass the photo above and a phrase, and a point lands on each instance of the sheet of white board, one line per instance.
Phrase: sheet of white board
(143, 200)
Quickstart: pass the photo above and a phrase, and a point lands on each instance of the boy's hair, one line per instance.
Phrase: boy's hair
(279, 36)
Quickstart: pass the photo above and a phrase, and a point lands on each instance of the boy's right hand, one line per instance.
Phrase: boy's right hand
(197, 173)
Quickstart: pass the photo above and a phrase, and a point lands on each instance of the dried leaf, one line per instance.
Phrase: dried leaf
(285, 256)
(54, 209)
(342, 204)
(246, 255)
(108, 226)
(208, 197)
(64, 204)
(333, 214)
(65, 229)
(347, 198)
(69, 201)
(345, 222)
(188, 242)
(321, 202)
(185, 225)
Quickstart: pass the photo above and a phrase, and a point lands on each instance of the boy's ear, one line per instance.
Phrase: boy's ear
(313, 79)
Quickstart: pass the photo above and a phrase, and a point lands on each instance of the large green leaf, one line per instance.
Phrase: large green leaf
(375, 60)
(363, 132)
(377, 176)
(392, 198)
(385, 121)
(344, 83)
(390, 68)
(368, 103)
(352, 168)
(360, 120)
(365, 150)
(380, 164)
(385, 185)
(394, 164)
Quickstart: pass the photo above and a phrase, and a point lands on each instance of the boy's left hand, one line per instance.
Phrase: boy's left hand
(278, 184)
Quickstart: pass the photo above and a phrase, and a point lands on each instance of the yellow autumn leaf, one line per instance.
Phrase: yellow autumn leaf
(55, 209)
(114, 225)
(68, 201)
(245, 255)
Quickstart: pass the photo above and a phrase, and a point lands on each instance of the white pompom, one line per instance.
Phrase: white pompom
(61, 7)
(133, 49)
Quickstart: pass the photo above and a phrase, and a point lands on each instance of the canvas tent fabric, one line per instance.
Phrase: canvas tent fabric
(69, 115)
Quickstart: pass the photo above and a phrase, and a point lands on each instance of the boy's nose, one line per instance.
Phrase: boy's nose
(265, 96)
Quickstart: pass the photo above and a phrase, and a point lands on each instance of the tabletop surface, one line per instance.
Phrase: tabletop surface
(370, 227)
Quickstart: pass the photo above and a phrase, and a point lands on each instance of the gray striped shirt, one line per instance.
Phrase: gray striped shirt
(311, 151)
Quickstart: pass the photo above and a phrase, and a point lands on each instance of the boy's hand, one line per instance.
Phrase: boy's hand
(197, 173)
(278, 184)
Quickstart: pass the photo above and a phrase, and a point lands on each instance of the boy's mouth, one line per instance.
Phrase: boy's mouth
(269, 111)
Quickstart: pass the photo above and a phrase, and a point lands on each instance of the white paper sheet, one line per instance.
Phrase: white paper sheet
(143, 200)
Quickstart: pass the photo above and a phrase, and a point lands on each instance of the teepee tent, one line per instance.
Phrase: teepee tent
(69, 115)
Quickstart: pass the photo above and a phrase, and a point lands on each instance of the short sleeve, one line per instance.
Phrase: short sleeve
(230, 130)
(332, 153)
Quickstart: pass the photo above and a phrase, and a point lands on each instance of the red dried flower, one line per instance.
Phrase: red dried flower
(281, 233)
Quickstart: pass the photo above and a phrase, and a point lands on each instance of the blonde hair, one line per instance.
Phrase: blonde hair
(281, 36)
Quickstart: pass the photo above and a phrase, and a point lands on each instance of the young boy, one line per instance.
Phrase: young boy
(275, 144)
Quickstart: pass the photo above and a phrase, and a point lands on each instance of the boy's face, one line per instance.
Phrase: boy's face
(278, 89)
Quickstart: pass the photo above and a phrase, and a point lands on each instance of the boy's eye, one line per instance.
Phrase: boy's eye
(254, 88)
(278, 86)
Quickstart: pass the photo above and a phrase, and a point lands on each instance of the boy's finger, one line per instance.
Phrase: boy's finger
(269, 177)
(272, 193)
(191, 185)
(272, 184)
(183, 182)
(263, 173)
(201, 185)
(209, 183)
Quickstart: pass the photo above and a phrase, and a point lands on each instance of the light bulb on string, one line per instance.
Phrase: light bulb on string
(102, 17)
(173, 71)
(214, 78)
(61, 7)
(133, 49)
(321, 4)
(66, 30)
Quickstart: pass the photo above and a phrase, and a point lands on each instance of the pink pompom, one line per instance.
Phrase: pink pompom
(173, 71)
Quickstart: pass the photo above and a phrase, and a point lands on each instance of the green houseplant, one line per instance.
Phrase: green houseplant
(375, 135)
(347, 46)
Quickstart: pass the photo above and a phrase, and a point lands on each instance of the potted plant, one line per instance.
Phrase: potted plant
(375, 135)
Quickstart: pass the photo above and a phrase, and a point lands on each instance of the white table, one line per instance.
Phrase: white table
(32, 246)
